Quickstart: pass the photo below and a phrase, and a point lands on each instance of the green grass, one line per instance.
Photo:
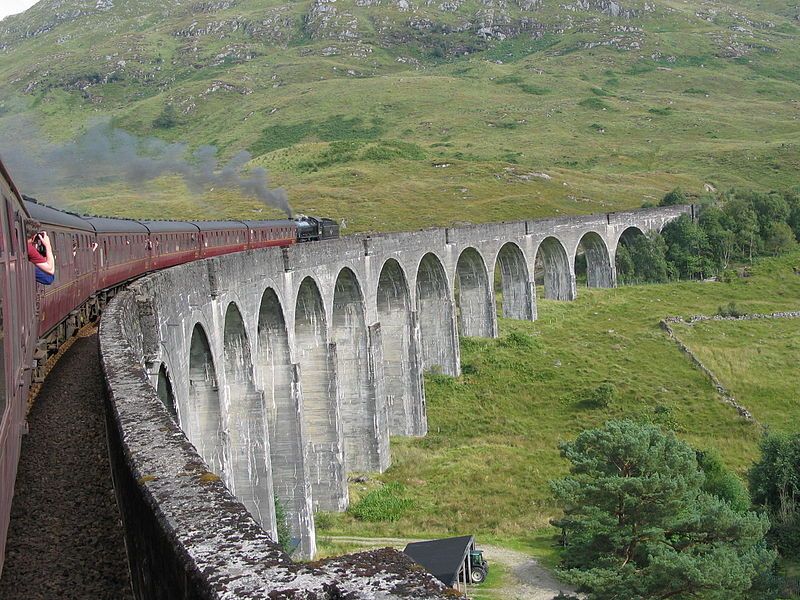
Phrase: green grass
(756, 361)
(491, 449)
(492, 587)
(297, 97)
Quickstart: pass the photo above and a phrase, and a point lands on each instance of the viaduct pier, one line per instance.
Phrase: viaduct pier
(272, 374)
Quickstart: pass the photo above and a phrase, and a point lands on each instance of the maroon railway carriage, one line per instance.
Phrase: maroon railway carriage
(17, 340)
(263, 234)
(94, 257)
(123, 248)
(172, 243)
(221, 237)
(72, 240)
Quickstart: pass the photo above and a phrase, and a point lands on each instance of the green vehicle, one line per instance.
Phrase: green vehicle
(479, 568)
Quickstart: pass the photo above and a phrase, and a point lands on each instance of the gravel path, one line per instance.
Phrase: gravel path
(65, 539)
(528, 580)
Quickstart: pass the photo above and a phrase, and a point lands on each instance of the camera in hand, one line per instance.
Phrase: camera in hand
(40, 245)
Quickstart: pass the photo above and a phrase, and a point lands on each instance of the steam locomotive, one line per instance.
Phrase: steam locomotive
(94, 257)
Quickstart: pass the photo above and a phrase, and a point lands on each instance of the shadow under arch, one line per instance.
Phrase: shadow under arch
(275, 374)
(321, 420)
(553, 271)
(165, 392)
(593, 252)
(513, 280)
(203, 419)
(435, 310)
(402, 378)
(624, 265)
(473, 295)
(250, 472)
(364, 419)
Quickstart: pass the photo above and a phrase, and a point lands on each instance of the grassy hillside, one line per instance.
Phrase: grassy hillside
(493, 432)
(756, 361)
(397, 114)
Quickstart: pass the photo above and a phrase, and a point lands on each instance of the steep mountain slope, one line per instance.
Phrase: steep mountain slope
(371, 109)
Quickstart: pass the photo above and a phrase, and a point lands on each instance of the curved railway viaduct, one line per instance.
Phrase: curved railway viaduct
(280, 371)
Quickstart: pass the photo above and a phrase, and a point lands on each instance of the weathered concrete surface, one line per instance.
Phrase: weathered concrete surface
(291, 367)
(186, 535)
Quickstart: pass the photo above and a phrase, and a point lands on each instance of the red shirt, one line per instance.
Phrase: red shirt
(34, 256)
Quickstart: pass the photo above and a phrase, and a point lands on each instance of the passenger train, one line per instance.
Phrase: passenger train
(95, 257)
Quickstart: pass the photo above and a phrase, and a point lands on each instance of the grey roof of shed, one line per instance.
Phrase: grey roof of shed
(441, 558)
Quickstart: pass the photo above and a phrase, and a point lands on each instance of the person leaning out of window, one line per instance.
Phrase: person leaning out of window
(40, 252)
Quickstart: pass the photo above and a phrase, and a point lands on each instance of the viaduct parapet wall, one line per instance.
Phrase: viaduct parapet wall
(280, 371)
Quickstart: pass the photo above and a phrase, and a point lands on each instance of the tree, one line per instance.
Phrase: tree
(780, 239)
(721, 240)
(775, 485)
(744, 222)
(638, 524)
(688, 248)
(167, 119)
(793, 200)
(673, 198)
(642, 258)
(282, 525)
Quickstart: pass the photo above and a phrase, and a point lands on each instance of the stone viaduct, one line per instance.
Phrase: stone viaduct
(289, 368)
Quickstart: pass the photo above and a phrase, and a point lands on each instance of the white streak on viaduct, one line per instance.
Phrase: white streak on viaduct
(289, 368)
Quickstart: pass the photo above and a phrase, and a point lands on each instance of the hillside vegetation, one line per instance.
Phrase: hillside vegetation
(397, 114)
(492, 445)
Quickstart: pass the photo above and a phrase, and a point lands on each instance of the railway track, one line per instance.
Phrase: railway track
(65, 539)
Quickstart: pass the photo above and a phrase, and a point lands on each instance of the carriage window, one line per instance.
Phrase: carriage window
(11, 242)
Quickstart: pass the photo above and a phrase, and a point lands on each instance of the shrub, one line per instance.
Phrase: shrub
(673, 198)
(387, 503)
(323, 521)
(282, 522)
(731, 310)
(594, 103)
(775, 485)
(602, 396)
(517, 339)
(167, 119)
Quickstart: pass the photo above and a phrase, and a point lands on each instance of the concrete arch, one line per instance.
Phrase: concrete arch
(364, 419)
(473, 296)
(627, 234)
(599, 269)
(553, 270)
(276, 376)
(511, 270)
(203, 420)
(165, 391)
(402, 378)
(623, 265)
(317, 377)
(250, 472)
(435, 310)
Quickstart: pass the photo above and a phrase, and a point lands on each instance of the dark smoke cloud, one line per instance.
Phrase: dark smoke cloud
(104, 154)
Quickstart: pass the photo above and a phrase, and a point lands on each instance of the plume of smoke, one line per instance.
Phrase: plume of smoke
(104, 153)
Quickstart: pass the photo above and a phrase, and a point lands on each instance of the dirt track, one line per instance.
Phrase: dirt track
(528, 580)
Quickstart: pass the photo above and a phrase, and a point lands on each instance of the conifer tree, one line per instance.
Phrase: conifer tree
(638, 525)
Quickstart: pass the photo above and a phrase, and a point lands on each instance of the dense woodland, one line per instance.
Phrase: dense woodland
(732, 230)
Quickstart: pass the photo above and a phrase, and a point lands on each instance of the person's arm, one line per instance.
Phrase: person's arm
(49, 266)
